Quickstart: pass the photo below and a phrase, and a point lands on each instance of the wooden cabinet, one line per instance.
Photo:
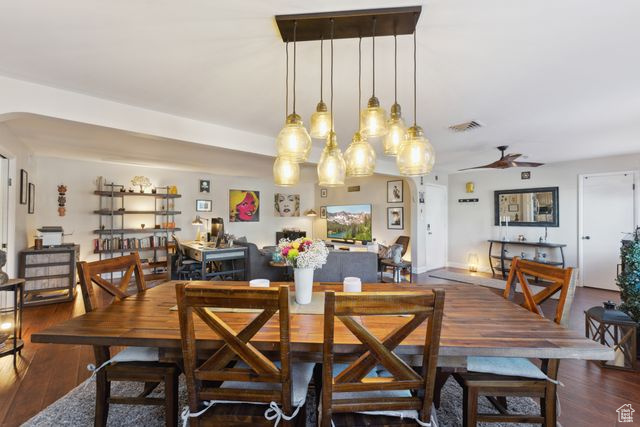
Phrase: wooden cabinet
(49, 273)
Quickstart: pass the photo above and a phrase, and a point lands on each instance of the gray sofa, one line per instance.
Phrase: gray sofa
(340, 264)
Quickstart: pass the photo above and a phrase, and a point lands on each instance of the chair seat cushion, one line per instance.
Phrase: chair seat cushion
(301, 373)
(137, 354)
(381, 395)
(509, 366)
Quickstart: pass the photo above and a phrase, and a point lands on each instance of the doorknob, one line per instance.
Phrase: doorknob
(586, 237)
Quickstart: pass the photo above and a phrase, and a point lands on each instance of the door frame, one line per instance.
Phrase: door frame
(445, 218)
(636, 181)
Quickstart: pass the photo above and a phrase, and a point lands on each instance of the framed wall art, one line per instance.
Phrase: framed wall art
(395, 191)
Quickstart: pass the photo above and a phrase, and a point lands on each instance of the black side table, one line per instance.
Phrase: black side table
(614, 329)
(12, 293)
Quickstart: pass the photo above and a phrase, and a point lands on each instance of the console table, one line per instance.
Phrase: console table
(204, 254)
(504, 258)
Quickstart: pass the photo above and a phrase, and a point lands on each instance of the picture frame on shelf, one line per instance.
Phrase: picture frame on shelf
(24, 186)
(323, 212)
(203, 205)
(395, 191)
(205, 186)
(31, 206)
(395, 218)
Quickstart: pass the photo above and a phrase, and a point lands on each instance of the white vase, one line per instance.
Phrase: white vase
(303, 278)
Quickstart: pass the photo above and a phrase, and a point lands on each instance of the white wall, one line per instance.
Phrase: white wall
(373, 191)
(18, 220)
(471, 224)
(79, 176)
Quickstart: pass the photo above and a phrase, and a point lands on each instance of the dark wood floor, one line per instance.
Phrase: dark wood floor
(47, 372)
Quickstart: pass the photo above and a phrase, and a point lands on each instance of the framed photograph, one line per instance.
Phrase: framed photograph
(203, 205)
(395, 218)
(205, 186)
(31, 207)
(525, 175)
(323, 192)
(513, 208)
(323, 212)
(286, 204)
(394, 191)
(24, 186)
(244, 206)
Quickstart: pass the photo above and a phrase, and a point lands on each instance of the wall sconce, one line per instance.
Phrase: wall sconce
(311, 212)
(470, 186)
(472, 262)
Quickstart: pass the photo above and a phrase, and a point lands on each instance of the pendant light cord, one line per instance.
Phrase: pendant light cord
(286, 83)
(373, 37)
(321, 64)
(395, 69)
(295, 27)
(415, 79)
(332, 75)
(359, 79)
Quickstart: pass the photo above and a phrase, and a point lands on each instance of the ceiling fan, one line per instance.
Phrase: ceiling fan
(506, 161)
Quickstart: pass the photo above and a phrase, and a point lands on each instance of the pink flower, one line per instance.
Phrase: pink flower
(285, 251)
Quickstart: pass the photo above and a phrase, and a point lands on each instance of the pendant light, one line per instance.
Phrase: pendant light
(415, 155)
(320, 123)
(397, 129)
(373, 119)
(331, 168)
(293, 141)
(286, 172)
(360, 157)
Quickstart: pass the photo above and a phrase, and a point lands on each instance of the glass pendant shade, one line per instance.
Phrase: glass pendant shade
(396, 134)
(320, 122)
(293, 141)
(360, 157)
(285, 172)
(331, 168)
(415, 155)
(373, 119)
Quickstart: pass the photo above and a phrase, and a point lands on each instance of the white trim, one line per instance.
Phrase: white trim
(581, 177)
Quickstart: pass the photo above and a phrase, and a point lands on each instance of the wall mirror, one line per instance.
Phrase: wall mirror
(529, 207)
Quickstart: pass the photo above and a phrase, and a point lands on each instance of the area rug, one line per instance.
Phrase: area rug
(482, 281)
(77, 408)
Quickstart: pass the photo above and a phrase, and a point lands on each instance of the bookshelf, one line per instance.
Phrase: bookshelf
(115, 236)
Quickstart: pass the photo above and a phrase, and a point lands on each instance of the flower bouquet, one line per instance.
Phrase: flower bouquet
(304, 255)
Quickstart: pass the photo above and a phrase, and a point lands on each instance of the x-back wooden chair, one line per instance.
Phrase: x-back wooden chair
(133, 363)
(536, 383)
(362, 387)
(255, 378)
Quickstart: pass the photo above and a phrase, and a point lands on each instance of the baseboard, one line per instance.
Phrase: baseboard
(419, 270)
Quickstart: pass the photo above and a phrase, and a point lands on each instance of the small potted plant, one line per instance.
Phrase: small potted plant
(304, 255)
(629, 280)
(141, 181)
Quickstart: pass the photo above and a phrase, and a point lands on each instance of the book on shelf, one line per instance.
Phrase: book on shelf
(130, 243)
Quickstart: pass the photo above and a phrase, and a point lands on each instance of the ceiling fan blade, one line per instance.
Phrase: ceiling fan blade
(511, 156)
(489, 166)
(528, 164)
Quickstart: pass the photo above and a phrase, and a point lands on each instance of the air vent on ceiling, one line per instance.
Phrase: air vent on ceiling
(463, 127)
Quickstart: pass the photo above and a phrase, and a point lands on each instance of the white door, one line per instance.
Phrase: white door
(4, 202)
(436, 223)
(608, 212)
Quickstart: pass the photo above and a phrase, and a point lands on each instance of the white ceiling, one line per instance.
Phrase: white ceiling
(61, 138)
(555, 80)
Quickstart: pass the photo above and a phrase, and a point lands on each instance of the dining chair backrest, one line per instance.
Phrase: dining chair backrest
(91, 272)
(420, 306)
(562, 280)
(203, 300)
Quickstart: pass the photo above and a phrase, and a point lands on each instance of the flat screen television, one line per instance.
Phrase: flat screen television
(349, 222)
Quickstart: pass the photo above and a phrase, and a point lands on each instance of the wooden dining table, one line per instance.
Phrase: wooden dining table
(476, 322)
